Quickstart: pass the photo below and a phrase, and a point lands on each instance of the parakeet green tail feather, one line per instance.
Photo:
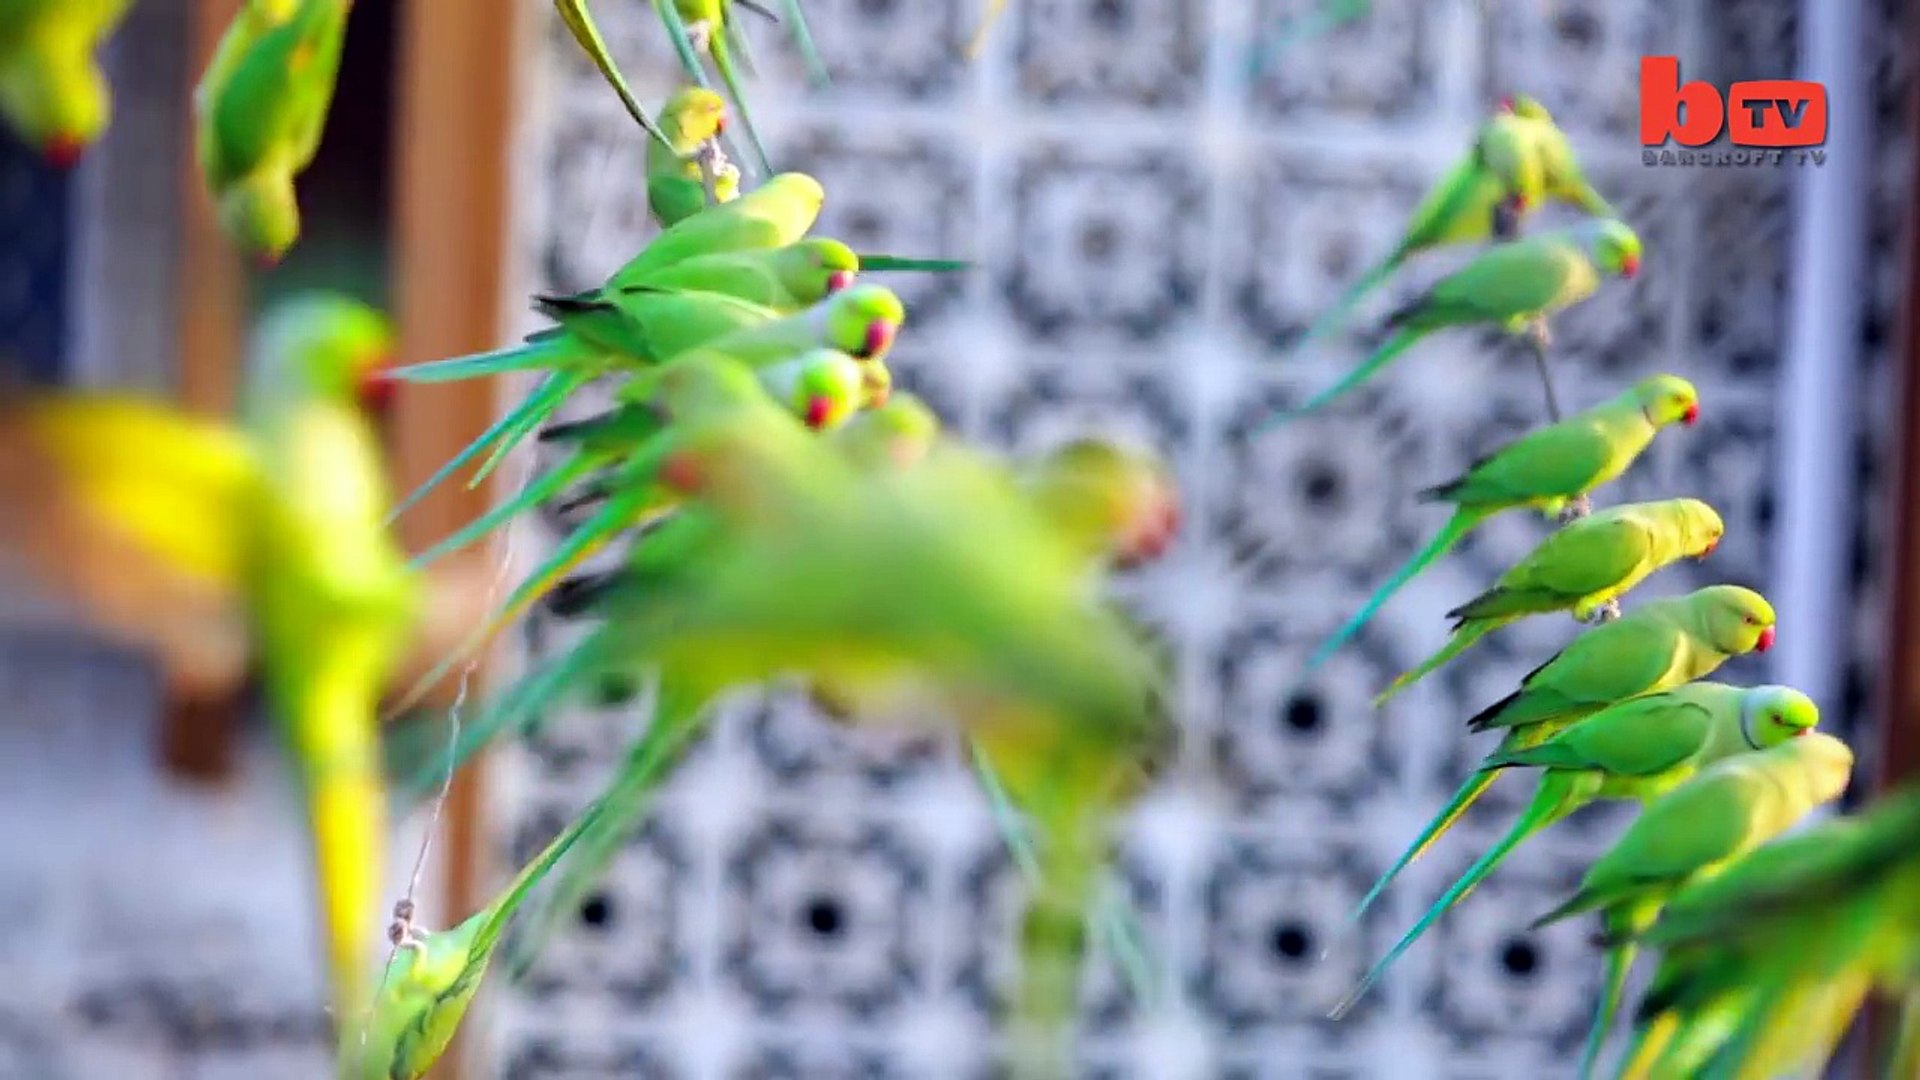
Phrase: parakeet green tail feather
(884, 263)
(546, 352)
(534, 494)
(1400, 342)
(1619, 961)
(803, 40)
(507, 430)
(730, 75)
(1462, 522)
(1551, 802)
(677, 719)
(1461, 640)
(1476, 785)
(1335, 316)
(1114, 917)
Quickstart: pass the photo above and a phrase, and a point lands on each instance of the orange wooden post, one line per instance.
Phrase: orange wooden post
(457, 67)
(197, 734)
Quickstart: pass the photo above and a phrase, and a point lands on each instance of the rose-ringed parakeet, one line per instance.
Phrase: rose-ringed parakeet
(1691, 832)
(1513, 287)
(1582, 568)
(51, 88)
(684, 169)
(330, 597)
(259, 113)
(1519, 158)
(1656, 647)
(425, 989)
(1638, 749)
(1546, 469)
(784, 279)
(710, 26)
(1764, 964)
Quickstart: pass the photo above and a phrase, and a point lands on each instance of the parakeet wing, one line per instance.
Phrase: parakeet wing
(1514, 279)
(1576, 562)
(1553, 460)
(1640, 737)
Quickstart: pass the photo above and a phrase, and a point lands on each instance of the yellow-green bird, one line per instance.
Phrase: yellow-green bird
(259, 112)
(680, 170)
(51, 88)
(330, 598)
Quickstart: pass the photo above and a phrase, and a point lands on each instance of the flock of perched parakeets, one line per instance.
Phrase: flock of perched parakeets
(785, 515)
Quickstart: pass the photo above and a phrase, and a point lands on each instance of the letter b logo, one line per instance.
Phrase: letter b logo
(1663, 97)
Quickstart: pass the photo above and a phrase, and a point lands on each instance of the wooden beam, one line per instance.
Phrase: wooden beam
(457, 66)
(1900, 748)
(197, 733)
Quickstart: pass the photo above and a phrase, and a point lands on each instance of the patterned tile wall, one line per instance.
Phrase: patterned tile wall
(1153, 226)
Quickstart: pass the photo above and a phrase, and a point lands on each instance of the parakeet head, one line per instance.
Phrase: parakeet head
(261, 215)
(815, 269)
(56, 99)
(1524, 106)
(328, 347)
(1735, 620)
(691, 116)
(1125, 497)
(824, 388)
(899, 433)
(1667, 399)
(862, 321)
(1770, 715)
(1614, 248)
(1700, 527)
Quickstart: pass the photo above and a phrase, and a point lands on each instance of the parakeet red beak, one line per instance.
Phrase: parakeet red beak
(879, 339)
(682, 472)
(720, 125)
(1692, 415)
(377, 388)
(1506, 104)
(264, 261)
(1629, 266)
(819, 411)
(63, 151)
(838, 280)
(1802, 731)
(1765, 642)
(1711, 547)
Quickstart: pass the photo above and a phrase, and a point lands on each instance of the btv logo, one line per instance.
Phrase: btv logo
(1771, 113)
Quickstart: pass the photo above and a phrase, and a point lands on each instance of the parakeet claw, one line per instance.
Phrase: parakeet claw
(1506, 221)
(1576, 509)
(700, 35)
(1609, 610)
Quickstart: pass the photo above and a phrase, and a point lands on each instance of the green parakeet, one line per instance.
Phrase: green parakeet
(331, 600)
(680, 170)
(1693, 831)
(1545, 469)
(587, 34)
(1581, 568)
(1660, 646)
(1637, 749)
(426, 987)
(895, 435)
(775, 214)
(697, 26)
(1117, 504)
(1511, 286)
(784, 279)
(259, 112)
(1519, 158)
(1764, 964)
(51, 88)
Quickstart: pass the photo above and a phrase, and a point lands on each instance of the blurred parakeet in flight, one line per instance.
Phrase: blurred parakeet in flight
(52, 90)
(1545, 469)
(1640, 748)
(1582, 568)
(1656, 647)
(259, 112)
(1692, 832)
(331, 600)
(1513, 287)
